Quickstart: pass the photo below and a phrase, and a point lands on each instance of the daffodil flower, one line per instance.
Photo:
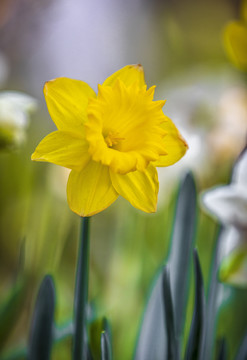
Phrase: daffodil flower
(112, 142)
(229, 205)
(235, 39)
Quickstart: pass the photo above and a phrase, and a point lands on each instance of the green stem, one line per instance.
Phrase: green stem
(81, 294)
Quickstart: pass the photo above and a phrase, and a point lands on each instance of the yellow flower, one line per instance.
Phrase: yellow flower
(235, 39)
(112, 141)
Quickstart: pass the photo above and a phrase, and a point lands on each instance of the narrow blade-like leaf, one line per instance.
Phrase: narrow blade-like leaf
(106, 353)
(108, 332)
(212, 308)
(242, 351)
(182, 244)
(222, 353)
(40, 342)
(152, 340)
(197, 326)
(172, 346)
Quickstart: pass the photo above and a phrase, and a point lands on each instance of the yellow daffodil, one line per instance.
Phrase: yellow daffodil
(112, 141)
(235, 39)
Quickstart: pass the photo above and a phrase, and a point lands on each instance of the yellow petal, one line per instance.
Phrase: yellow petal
(67, 101)
(235, 38)
(63, 148)
(129, 74)
(90, 190)
(174, 143)
(139, 188)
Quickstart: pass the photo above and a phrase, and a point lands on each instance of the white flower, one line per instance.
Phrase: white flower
(228, 204)
(15, 108)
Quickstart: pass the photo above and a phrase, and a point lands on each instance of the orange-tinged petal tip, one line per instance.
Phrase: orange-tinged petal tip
(138, 67)
(129, 74)
(46, 85)
(183, 140)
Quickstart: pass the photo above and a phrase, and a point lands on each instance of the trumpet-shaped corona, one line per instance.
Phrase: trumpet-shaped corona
(111, 141)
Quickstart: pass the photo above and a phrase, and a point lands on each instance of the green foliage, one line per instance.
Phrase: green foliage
(222, 352)
(41, 334)
(172, 344)
(195, 341)
(10, 309)
(162, 333)
(242, 352)
(182, 244)
(105, 347)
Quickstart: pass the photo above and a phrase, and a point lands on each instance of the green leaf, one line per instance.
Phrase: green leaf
(106, 353)
(59, 334)
(222, 353)
(41, 336)
(172, 346)
(242, 351)
(108, 332)
(152, 339)
(211, 308)
(80, 343)
(10, 309)
(95, 329)
(197, 326)
(182, 244)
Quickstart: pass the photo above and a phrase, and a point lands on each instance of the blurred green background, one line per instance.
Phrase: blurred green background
(179, 43)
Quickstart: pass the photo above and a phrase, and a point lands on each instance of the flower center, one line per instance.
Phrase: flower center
(113, 138)
(123, 128)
